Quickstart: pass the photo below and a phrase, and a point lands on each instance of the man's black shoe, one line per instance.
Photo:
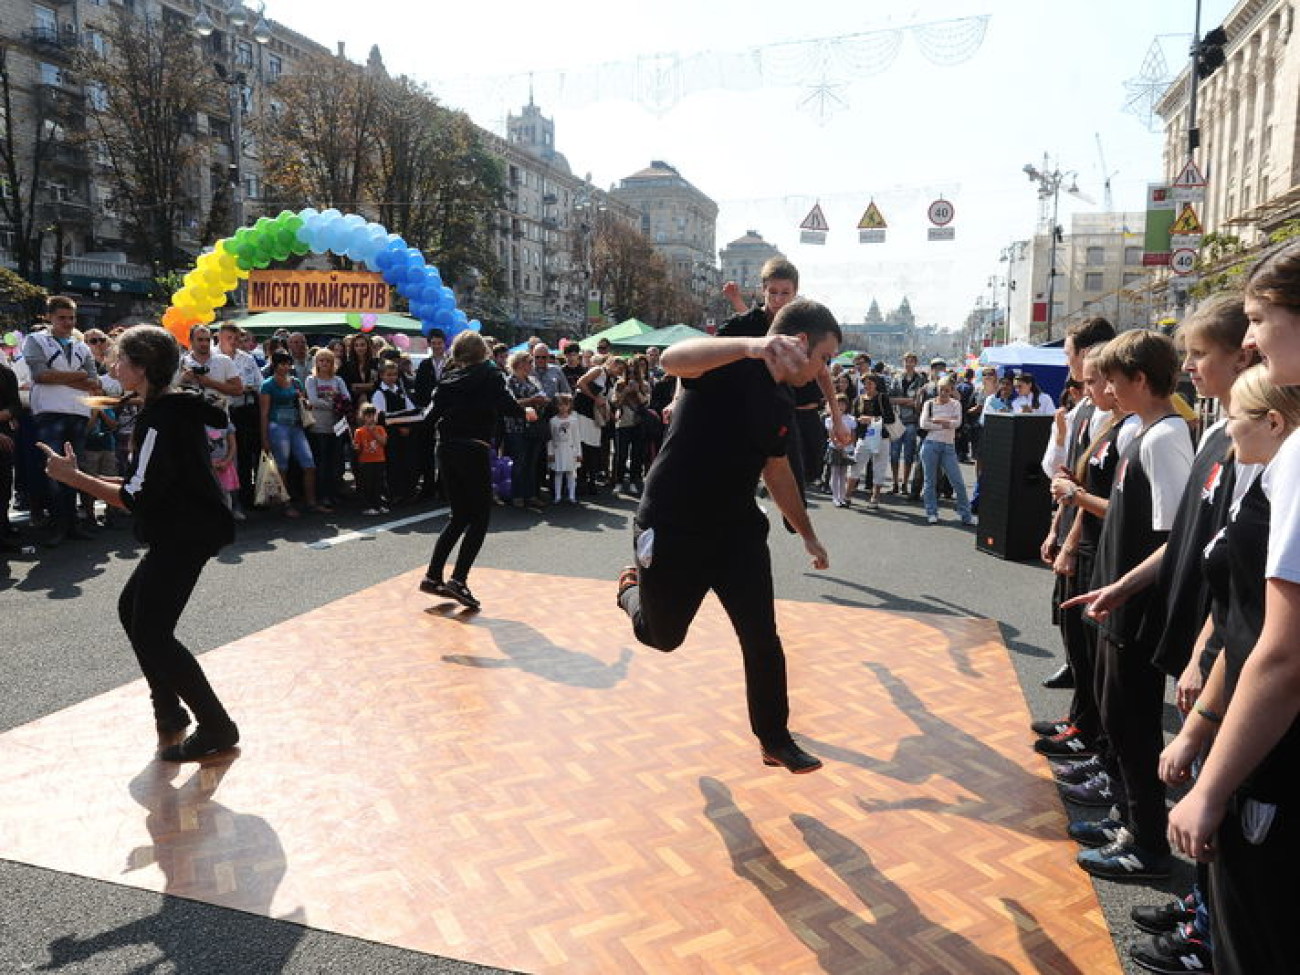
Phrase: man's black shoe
(1063, 679)
(1173, 954)
(173, 722)
(201, 744)
(1163, 918)
(1045, 729)
(791, 757)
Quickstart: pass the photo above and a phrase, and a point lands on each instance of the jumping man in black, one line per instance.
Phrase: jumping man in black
(698, 527)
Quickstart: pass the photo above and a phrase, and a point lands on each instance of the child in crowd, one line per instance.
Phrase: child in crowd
(565, 450)
(839, 459)
(369, 442)
(221, 445)
(101, 457)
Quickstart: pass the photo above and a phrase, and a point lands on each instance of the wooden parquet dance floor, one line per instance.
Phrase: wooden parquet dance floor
(529, 788)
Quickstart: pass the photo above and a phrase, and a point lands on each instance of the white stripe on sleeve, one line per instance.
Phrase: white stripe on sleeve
(136, 484)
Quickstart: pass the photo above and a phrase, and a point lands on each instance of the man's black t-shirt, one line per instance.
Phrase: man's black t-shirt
(726, 425)
(753, 324)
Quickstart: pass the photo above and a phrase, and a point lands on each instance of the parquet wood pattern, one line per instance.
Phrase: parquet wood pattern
(529, 788)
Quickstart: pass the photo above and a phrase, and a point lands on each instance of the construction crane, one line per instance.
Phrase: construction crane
(1105, 174)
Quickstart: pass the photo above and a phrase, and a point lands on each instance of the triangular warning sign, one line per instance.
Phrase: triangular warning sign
(816, 220)
(1190, 177)
(872, 219)
(1188, 223)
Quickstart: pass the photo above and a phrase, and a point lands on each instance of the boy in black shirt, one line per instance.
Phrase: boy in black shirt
(698, 527)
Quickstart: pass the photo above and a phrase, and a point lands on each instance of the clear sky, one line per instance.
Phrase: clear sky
(1046, 78)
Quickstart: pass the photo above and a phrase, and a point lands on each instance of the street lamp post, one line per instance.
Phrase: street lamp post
(1049, 185)
(237, 17)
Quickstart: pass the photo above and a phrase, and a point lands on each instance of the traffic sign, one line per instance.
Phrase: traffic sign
(943, 233)
(876, 236)
(1187, 223)
(1182, 261)
(816, 220)
(1191, 176)
(941, 212)
(872, 219)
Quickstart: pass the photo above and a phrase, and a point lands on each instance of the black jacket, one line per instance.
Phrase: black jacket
(170, 486)
(468, 402)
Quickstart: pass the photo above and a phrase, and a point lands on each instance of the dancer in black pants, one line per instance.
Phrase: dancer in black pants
(465, 408)
(698, 527)
(182, 518)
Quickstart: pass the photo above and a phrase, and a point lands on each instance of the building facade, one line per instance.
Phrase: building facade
(680, 222)
(743, 260)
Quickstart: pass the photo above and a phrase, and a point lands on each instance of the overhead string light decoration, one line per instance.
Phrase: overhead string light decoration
(823, 67)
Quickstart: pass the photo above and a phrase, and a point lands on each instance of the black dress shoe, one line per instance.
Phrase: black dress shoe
(202, 743)
(791, 757)
(1063, 679)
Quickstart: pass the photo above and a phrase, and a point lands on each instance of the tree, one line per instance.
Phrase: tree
(633, 279)
(20, 300)
(22, 162)
(318, 148)
(434, 182)
(145, 89)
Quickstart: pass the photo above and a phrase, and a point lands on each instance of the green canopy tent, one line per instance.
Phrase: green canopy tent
(625, 329)
(263, 324)
(661, 337)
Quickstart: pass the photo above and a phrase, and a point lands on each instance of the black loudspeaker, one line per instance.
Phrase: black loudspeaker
(1015, 503)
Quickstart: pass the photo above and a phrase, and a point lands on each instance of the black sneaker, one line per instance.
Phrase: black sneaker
(1094, 832)
(1045, 729)
(172, 722)
(1072, 773)
(1068, 744)
(1175, 953)
(1098, 792)
(202, 744)
(460, 592)
(791, 757)
(1124, 860)
(1164, 918)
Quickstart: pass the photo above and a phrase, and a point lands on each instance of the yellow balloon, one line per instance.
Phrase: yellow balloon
(206, 316)
(241, 273)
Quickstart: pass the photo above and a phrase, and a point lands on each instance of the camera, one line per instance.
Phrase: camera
(199, 370)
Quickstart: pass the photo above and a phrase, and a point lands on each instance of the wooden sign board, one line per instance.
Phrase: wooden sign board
(319, 291)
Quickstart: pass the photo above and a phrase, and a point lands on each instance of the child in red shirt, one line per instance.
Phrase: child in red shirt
(369, 442)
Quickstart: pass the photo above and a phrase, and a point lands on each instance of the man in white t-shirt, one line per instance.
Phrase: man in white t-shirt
(207, 372)
(63, 375)
(244, 411)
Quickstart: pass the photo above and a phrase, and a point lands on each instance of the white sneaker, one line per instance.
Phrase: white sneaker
(370, 512)
(239, 515)
(932, 519)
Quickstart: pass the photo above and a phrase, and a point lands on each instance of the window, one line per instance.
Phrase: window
(274, 66)
(97, 96)
(1096, 256)
(1131, 279)
(95, 41)
(252, 187)
(1092, 281)
(244, 54)
(50, 74)
(47, 24)
(1132, 256)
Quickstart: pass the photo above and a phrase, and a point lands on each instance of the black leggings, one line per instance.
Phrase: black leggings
(149, 607)
(466, 471)
(736, 565)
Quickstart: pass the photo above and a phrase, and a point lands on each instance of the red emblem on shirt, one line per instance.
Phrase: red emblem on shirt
(1212, 483)
(782, 431)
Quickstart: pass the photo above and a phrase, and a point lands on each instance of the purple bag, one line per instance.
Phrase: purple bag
(502, 468)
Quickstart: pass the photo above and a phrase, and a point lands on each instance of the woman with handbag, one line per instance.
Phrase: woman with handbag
(330, 401)
(875, 416)
(591, 402)
(525, 438)
(181, 517)
(284, 410)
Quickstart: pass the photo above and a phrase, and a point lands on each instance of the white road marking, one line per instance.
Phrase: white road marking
(371, 532)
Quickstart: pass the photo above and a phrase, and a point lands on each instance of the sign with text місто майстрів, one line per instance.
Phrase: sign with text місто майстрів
(319, 291)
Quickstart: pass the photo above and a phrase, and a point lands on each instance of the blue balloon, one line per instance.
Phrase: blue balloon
(381, 260)
(448, 297)
(461, 319)
(394, 242)
(414, 257)
(434, 276)
(354, 220)
(474, 325)
(444, 318)
(331, 213)
(406, 289)
(309, 214)
(395, 274)
(427, 326)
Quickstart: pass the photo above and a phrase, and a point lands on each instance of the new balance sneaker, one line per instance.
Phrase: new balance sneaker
(1045, 729)
(1164, 918)
(1174, 954)
(1068, 744)
(1098, 792)
(1072, 773)
(1124, 860)
(1094, 832)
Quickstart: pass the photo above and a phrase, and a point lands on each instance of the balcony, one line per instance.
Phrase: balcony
(51, 40)
(61, 100)
(64, 155)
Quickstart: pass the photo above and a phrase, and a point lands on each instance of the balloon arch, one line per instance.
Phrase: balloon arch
(207, 287)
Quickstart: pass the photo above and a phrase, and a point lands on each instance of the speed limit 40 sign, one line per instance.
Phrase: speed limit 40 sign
(1182, 261)
(941, 213)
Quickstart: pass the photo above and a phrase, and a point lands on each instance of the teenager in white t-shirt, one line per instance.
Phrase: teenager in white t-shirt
(1257, 849)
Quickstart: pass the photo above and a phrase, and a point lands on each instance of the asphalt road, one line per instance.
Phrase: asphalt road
(62, 645)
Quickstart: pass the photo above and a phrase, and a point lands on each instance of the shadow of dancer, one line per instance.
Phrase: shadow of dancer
(529, 650)
(911, 941)
(842, 942)
(1038, 947)
(1000, 786)
(192, 937)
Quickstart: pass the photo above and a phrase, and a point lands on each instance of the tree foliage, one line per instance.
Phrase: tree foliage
(20, 300)
(356, 139)
(20, 173)
(634, 280)
(145, 91)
